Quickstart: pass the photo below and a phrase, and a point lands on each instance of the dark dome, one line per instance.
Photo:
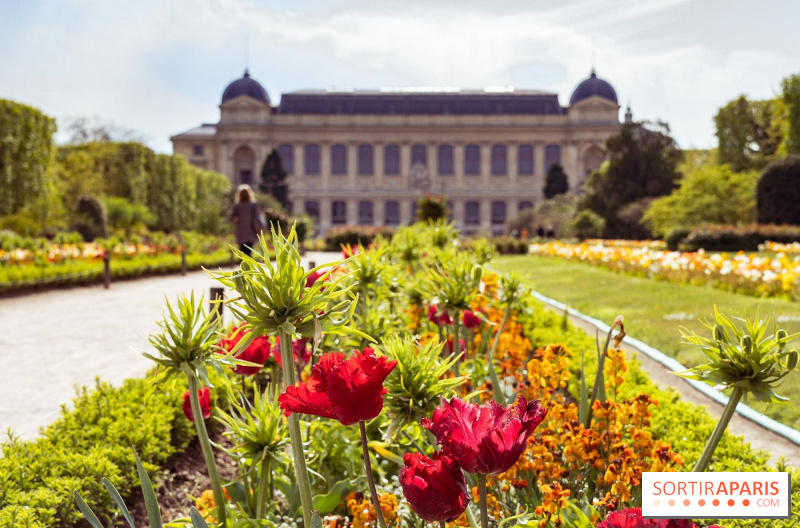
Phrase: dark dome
(594, 85)
(245, 86)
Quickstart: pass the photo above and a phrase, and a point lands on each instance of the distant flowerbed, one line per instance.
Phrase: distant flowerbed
(748, 273)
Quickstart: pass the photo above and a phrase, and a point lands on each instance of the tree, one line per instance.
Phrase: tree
(712, 194)
(778, 192)
(791, 102)
(749, 133)
(556, 182)
(587, 224)
(556, 213)
(273, 179)
(84, 130)
(642, 164)
(432, 208)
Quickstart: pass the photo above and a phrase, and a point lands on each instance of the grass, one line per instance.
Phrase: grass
(655, 311)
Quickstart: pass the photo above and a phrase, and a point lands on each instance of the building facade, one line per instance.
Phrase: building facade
(366, 157)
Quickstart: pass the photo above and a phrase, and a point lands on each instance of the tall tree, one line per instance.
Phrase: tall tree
(791, 102)
(642, 164)
(556, 182)
(748, 132)
(273, 179)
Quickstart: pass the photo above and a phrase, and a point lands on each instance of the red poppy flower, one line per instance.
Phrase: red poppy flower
(632, 518)
(461, 343)
(487, 438)
(348, 390)
(470, 320)
(434, 488)
(258, 352)
(205, 403)
(433, 315)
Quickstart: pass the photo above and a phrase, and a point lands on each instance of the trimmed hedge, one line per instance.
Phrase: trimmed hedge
(731, 238)
(336, 237)
(778, 192)
(91, 441)
(511, 246)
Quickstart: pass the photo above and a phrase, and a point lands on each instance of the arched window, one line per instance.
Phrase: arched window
(366, 165)
(472, 160)
(472, 213)
(312, 210)
(286, 152)
(525, 160)
(365, 213)
(499, 160)
(552, 155)
(391, 160)
(244, 162)
(445, 160)
(419, 154)
(391, 213)
(311, 159)
(339, 159)
(498, 213)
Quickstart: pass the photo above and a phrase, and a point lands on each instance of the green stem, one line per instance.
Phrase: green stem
(471, 519)
(496, 389)
(370, 479)
(598, 379)
(482, 500)
(205, 446)
(295, 435)
(456, 347)
(716, 435)
(263, 487)
(442, 524)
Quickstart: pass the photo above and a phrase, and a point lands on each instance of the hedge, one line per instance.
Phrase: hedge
(336, 237)
(778, 192)
(93, 440)
(732, 238)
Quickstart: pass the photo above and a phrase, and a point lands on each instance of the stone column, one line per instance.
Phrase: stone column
(324, 166)
(378, 210)
(511, 160)
(352, 169)
(325, 215)
(569, 159)
(458, 164)
(352, 211)
(486, 165)
(486, 213)
(538, 166)
(377, 158)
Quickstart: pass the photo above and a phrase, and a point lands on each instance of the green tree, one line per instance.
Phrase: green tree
(791, 102)
(778, 192)
(556, 182)
(748, 132)
(587, 224)
(642, 164)
(26, 145)
(432, 208)
(273, 179)
(712, 194)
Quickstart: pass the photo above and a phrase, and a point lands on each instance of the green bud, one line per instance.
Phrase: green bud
(747, 344)
(718, 333)
(477, 273)
(792, 363)
(781, 334)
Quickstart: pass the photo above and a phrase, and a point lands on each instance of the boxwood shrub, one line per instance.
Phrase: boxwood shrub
(336, 237)
(731, 238)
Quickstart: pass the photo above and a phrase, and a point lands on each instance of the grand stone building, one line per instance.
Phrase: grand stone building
(366, 157)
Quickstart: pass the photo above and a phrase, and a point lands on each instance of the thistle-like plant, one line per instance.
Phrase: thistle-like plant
(418, 383)
(483, 250)
(511, 292)
(407, 246)
(370, 273)
(259, 434)
(273, 299)
(186, 345)
(442, 234)
(744, 356)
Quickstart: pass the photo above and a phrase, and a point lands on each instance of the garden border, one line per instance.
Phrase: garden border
(793, 435)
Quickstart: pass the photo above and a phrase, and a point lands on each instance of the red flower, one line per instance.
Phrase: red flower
(432, 314)
(438, 319)
(348, 390)
(445, 319)
(231, 340)
(434, 488)
(487, 438)
(258, 352)
(300, 351)
(205, 403)
(470, 320)
(632, 518)
(461, 345)
(312, 278)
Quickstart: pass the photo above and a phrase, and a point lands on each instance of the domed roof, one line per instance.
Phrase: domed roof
(246, 86)
(594, 85)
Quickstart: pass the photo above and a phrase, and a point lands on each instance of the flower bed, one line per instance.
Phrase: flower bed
(747, 273)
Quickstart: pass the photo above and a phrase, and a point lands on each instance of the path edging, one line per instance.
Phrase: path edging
(793, 435)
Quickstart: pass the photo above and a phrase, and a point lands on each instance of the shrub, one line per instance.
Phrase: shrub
(304, 226)
(556, 182)
(730, 238)
(336, 237)
(91, 441)
(675, 237)
(556, 212)
(510, 246)
(587, 224)
(90, 219)
(123, 214)
(432, 209)
(778, 192)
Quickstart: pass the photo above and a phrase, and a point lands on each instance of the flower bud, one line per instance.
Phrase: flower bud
(719, 335)
(792, 363)
(781, 334)
(477, 273)
(747, 344)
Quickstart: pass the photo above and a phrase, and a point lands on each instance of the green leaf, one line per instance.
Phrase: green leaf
(150, 500)
(197, 519)
(327, 503)
(86, 511)
(118, 501)
(583, 403)
(316, 520)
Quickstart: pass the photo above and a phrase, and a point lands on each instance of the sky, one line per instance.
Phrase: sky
(158, 67)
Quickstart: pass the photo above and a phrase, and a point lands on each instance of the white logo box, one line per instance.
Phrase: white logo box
(716, 495)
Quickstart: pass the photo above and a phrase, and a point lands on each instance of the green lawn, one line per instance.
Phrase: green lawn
(655, 311)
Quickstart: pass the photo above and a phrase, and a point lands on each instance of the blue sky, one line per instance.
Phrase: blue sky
(159, 67)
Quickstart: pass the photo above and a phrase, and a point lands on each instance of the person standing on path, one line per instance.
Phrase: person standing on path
(248, 218)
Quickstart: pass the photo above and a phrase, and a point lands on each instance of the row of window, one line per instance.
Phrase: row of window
(419, 155)
(391, 212)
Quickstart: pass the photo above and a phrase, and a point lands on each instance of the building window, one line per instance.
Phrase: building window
(498, 213)
(391, 160)
(472, 160)
(365, 213)
(499, 160)
(391, 213)
(339, 159)
(286, 152)
(339, 212)
(366, 165)
(419, 154)
(552, 155)
(525, 204)
(244, 164)
(246, 176)
(197, 150)
(311, 159)
(472, 213)
(445, 159)
(525, 160)
(312, 210)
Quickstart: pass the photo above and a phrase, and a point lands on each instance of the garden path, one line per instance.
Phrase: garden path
(51, 342)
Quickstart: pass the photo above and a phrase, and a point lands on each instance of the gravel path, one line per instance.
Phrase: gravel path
(51, 342)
